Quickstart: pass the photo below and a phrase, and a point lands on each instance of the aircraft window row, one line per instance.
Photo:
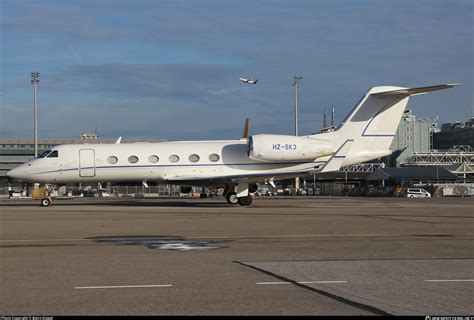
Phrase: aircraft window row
(214, 157)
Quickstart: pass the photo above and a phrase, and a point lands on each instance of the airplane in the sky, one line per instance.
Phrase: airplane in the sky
(250, 81)
(236, 165)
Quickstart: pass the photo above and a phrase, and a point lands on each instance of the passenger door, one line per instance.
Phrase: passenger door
(86, 163)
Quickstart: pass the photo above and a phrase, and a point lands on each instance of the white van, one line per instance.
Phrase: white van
(417, 193)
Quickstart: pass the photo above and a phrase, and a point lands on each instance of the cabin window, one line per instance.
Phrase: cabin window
(153, 159)
(53, 154)
(214, 157)
(133, 159)
(44, 154)
(173, 158)
(112, 159)
(194, 158)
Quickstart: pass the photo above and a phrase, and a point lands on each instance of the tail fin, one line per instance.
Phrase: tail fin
(374, 121)
(380, 110)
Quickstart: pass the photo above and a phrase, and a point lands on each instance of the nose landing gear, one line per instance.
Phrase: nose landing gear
(43, 194)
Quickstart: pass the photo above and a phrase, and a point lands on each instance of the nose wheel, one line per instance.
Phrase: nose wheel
(46, 202)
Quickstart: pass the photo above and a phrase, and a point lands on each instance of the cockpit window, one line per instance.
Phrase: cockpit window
(53, 154)
(44, 154)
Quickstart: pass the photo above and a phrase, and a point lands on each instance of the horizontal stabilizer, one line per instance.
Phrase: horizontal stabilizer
(414, 91)
(338, 158)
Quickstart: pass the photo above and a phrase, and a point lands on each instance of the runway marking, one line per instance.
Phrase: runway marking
(335, 281)
(451, 280)
(300, 282)
(133, 286)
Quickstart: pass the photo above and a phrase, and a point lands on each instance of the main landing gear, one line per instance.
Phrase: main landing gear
(243, 201)
(240, 194)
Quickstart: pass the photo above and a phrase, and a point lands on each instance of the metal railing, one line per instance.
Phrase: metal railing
(440, 158)
(363, 167)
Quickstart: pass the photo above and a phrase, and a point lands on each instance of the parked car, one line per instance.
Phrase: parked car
(417, 193)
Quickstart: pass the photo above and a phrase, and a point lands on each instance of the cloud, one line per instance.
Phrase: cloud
(171, 67)
(181, 82)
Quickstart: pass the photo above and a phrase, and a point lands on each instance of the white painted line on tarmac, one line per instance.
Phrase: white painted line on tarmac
(450, 280)
(120, 287)
(300, 282)
(309, 282)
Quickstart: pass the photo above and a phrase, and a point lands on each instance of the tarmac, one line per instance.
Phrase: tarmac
(296, 256)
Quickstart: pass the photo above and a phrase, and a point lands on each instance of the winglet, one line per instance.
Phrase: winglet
(336, 160)
(118, 140)
(245, 134)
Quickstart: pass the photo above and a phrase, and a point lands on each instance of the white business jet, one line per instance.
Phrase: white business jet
(236, 165)
(250, 81)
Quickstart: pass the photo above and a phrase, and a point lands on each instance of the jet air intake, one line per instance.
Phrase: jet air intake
(269, 147)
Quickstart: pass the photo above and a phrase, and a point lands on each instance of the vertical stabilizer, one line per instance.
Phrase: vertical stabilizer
(373, 122)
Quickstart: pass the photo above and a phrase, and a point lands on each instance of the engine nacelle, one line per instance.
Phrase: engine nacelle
(270, 147)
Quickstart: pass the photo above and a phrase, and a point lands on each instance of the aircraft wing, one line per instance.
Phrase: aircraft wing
(238, 178)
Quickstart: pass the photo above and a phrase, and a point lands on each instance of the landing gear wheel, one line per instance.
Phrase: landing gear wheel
(232, 198)
(46, 202)
(245, 201)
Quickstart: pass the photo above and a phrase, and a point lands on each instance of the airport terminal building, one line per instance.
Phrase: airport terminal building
(455, 133)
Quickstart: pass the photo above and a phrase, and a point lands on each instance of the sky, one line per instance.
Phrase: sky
(146, 69)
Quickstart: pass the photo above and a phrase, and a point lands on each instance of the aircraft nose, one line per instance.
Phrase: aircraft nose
(18, 173)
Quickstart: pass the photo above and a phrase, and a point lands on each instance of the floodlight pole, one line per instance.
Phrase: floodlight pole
(296, 83)
(34, 81)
